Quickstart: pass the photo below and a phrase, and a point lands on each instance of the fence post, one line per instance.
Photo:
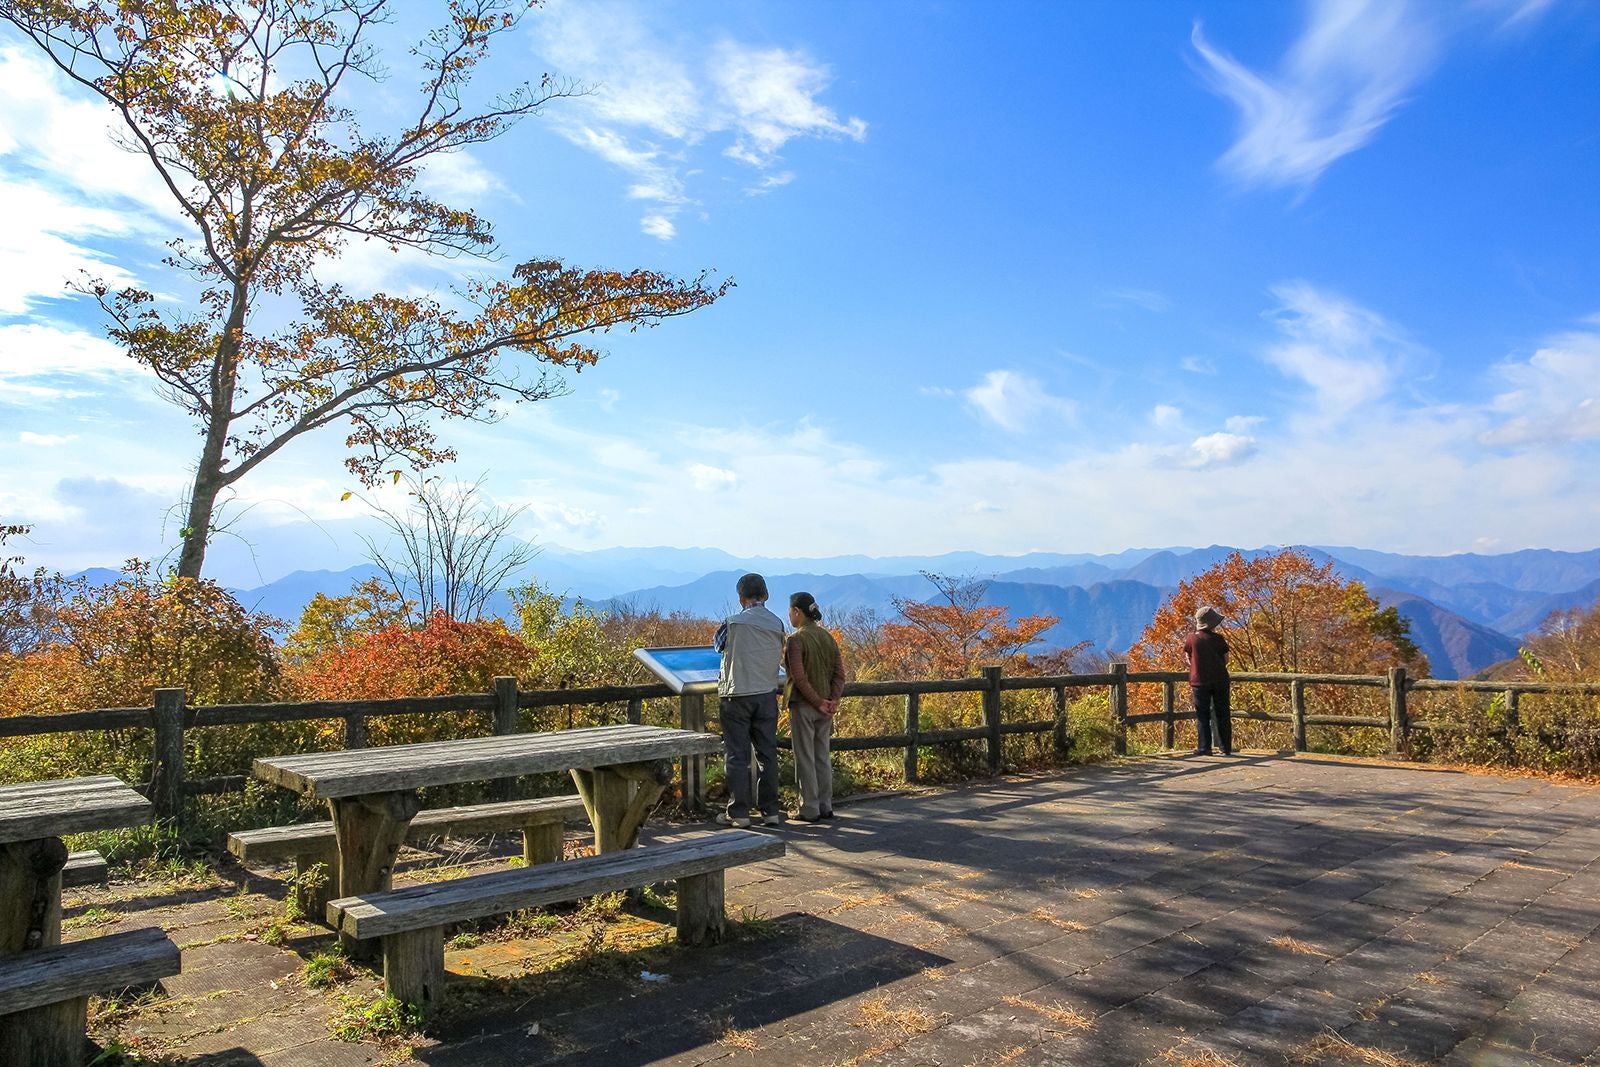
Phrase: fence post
(991, 715)
(355, 731)
(1119, 709)
(1297, 712)
(505, 723)
(166, 773)
(1061, 736)
(1169, 700)
(692, 716)
(1399, 724)
(1513, 712)
(635, 711)
(913, 728)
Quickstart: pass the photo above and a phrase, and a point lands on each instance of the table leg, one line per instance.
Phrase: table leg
(619, 797)
(30, 894)
(370, 830)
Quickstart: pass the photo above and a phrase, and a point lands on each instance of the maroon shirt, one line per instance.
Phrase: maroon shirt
(1207, 653)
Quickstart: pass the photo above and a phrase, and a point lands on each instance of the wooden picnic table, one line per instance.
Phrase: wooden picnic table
(33, 818)
(620, 772)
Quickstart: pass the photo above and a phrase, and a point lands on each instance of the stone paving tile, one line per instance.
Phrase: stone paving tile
(1134, 912)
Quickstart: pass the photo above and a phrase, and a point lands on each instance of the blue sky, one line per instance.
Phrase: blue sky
(1011, 277)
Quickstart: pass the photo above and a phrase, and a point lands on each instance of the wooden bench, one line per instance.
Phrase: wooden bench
(84, 868)
(44, 993)
(412, 921)
(311, 843)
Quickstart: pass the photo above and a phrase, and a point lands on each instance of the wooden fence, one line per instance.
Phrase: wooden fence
(171, 717)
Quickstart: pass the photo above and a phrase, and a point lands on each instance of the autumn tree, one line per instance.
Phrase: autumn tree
(1566, 646)
(119, 642)
(956, 633)
(30, 601)
(336, 622)
(244, 110)
(1284, 612)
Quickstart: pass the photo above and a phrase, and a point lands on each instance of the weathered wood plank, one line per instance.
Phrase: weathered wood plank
(285, 842)
(33, 810)
(48, 975)
(30, 894)
(477, 896)
(239, 714)
(74, 721)
(84, 868)
(341, 774)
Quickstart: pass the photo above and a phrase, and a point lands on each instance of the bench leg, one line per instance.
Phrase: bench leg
(541, 842)
(30, 886)
(370, 830)
(51, 1036)
(313, 888)
(413, 967)
(702, 917)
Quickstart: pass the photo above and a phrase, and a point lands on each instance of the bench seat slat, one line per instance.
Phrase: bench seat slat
(477, 896)
(286, 842)
(66, 972)
(84, 868)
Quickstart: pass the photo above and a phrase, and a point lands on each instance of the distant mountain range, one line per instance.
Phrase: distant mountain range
(1467, 612)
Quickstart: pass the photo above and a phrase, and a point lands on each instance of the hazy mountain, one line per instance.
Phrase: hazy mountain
(287, 597)
(1455, 647)
(1109, 615)
(1527, 619)
(1533, 569)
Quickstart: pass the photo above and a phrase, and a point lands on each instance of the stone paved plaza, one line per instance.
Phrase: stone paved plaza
(1267, 909)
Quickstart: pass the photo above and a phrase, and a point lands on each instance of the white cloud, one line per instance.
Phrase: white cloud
(1243, 424)
(1015, 401)
(709, 479)
(658, 226)
(1345, 353)
(1554, 396)
(458, 176)
(1337, 86)
(771, 95)
(1219, 450)
(1165, 415)
(45, 440)
(658, 99)
(46, 360)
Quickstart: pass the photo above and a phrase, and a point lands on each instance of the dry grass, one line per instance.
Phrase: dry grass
(997, 1059)
(875, 1014)
(935, 974)
(1294, 945)
(1518, 865)
(1429, 978)
(896, 1024)
(1329, 1043)
(733, 1037)
(1057, 1013)
(1202, 1058)
(1086, 894)
(1045, 915)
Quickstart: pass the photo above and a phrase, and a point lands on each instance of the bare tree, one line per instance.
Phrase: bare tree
(450, 550)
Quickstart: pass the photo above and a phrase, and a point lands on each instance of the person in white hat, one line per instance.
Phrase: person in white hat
(1207, 654)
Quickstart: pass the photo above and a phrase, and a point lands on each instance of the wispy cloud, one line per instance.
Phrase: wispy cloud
(1337, 86)
(1347, 354)
(45, 440)
(1166, 415)
(658, 100)
(1554, 396)
(1014, 402)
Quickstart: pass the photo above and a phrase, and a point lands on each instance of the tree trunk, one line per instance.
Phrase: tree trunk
(209, 477)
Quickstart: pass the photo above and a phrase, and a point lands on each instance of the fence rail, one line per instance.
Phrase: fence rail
(170, 717)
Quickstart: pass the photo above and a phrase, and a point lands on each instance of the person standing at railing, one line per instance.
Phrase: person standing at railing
(815, 684)
(751, 644)
(1207, 654)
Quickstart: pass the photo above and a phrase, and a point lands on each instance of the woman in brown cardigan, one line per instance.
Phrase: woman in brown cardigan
(816, 682)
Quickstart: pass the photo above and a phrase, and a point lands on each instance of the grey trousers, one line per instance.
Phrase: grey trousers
(811, 732)
(751, 722)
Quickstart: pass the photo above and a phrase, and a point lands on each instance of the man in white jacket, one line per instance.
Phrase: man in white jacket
(751, 644)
